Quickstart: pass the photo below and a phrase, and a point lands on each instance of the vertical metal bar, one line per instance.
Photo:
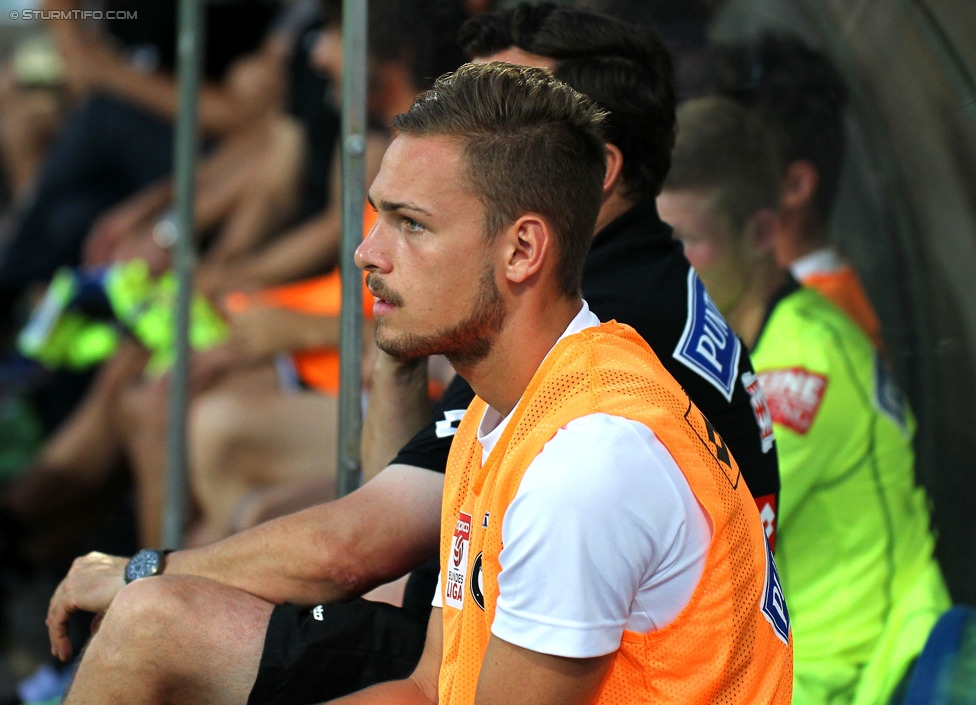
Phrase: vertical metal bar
(354, 14)
(189, 42)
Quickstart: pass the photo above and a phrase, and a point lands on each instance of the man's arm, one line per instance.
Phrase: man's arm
(510, 675)
(334, 551)
(421, 687)
(398, 408)
(541, 679)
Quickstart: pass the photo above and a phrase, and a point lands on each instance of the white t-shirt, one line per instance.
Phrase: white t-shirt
(604, 534)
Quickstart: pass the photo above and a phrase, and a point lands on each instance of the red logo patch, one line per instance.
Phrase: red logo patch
(794, 396)
(760, 408)
(462, 533)
(767, 512)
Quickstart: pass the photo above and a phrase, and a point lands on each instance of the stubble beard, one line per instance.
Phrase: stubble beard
(463, 344)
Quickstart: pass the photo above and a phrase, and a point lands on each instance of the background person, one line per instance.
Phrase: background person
(802, 97)
(855, 547)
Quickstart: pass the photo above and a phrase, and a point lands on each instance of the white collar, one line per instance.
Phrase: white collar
(826, 260)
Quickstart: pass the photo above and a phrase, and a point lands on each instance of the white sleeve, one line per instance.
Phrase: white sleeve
(604, 534)
(438, 601)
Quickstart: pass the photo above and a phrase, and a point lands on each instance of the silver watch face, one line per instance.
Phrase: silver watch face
(145, 563)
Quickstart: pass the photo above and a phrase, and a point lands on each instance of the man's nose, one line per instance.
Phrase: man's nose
(368, 255)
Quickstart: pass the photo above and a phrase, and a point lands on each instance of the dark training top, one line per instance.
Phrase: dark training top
(637, 274)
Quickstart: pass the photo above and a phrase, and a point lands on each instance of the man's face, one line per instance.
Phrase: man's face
(429, 265)
(714, 250)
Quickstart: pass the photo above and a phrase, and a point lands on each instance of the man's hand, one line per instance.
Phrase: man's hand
(90, 586)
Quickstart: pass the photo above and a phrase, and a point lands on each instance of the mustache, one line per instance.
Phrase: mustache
(381, 291)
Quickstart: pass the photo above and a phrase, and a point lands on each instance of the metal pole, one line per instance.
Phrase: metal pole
(354, 13)
(189, 41)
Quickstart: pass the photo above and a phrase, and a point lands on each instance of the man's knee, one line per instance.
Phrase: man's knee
(150, 610)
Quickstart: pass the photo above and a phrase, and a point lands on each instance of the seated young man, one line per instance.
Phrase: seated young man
(596, 537)
(855, 549)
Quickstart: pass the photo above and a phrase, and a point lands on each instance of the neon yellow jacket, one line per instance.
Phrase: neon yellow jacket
(855, 547)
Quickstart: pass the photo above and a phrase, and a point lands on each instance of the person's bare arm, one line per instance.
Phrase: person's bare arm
(331, 552)
(222, 179)
(510, 675)
(399, 407)
(269, 196)
(307, 249)
(421, 687)
(542, 679)
(124, 220)
(253, 84)
(260, 332)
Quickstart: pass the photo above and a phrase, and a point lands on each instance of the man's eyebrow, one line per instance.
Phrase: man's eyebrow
(396, 206)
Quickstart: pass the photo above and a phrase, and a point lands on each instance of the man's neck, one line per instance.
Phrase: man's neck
(614, 205)
(748, 313)
(800, 233)
(526, 338)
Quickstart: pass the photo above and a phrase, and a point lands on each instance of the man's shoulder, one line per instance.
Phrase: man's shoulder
(807, 324)
(812, 353)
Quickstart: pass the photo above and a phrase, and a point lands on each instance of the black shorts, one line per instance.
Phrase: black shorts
(317, 654)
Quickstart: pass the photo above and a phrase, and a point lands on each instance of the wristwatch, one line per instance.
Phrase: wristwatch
(144, 564)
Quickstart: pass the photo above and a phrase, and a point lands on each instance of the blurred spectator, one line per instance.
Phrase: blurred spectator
(32, 107)
(855, 547)
(130, 418)
(802, 97)
(86, 451)
(119, 138)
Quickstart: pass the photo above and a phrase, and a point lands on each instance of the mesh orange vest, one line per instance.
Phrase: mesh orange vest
(731, 644)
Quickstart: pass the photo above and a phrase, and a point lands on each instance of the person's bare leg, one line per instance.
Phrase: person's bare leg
(174, 639)
(29, 120)
(141, 419)
(248, 434)
(267, 199)
(272, 502)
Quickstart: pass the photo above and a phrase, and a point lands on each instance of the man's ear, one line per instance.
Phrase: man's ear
(528, 244)
(615, 166)
(799, 185)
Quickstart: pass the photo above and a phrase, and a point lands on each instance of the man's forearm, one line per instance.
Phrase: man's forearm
(306, 250)
(334, 551)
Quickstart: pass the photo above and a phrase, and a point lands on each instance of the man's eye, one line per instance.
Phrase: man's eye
(412, 225)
